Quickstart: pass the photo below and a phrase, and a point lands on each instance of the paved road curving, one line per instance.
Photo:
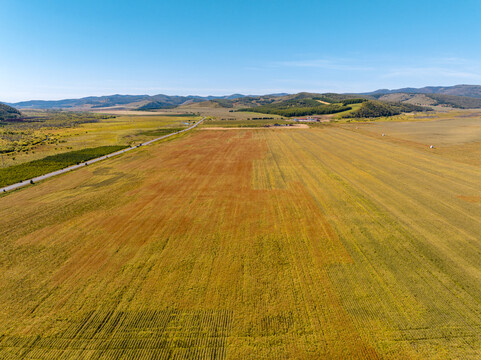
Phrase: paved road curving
(73, 167)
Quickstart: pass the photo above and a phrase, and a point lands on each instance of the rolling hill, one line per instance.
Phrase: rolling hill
(324, 104)
(8, 112)
(126, 101)
(306, 103)
(459, 96)
(456, 90)
(137, 102)
(373, 109)
(443, 100)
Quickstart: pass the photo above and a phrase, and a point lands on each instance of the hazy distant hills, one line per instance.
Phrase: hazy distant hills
(459, 96)
(457, 90)
(432, 100)
(91, 101)
(141, 102)
(415, 99)
(162, 101)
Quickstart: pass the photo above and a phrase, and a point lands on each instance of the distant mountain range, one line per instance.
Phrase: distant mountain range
(140, 102)
(377, 103)
(457, 90)
(458, 96)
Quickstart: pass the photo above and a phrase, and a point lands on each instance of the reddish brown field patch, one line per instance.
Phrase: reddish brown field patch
(472, 199)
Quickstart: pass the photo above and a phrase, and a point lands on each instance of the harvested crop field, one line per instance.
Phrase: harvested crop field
(309, 244)
(454, 136)
(297, 126)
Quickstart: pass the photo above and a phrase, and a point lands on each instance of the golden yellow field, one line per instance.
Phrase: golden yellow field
(321, 243)
(455, 134)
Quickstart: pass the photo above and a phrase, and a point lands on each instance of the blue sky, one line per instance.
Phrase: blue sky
(54, 49)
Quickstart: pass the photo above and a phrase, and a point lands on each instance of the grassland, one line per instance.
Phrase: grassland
(324, 243)
(236, 123)
(58, 132)
(219, 113)
(17, 173)
(455, 134)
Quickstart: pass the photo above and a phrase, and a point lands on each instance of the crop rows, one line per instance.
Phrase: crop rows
(249, 244)
(125, 335)
(414, 244)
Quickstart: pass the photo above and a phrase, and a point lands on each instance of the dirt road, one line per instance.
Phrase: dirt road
(89, 162)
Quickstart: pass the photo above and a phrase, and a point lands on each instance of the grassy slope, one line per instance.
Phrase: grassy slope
(319, 243)
(354, 107)
(8, 112)
(461, 102)
(299, 107)
(377, 109)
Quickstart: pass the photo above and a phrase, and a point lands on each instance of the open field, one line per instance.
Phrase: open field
(18, 173)
(213, 123)
(57, 137)
(246, 127)
(439, 132)
(455, 135)
(314, 243)
(219, 113)
(167, 112)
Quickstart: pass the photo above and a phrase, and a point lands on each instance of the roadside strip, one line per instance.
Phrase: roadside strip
(92, 161)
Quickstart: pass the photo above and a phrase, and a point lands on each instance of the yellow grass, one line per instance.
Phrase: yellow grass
(310, 244)
(220, 113)
(455, 135)
(121, 130)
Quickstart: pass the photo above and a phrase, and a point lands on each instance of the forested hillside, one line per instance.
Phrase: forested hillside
(456, 90)
(8, 112)
(372, 109)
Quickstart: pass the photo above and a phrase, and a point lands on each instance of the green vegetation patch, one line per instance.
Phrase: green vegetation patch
(180, 115)
(298, 107)
(373, 109)
(160, 132)
(309, 104)
(11, 140)
(301, 111)
(353, 101)
(21, 172)
(51, 119)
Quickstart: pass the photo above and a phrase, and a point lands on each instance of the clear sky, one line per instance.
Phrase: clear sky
(54, 49)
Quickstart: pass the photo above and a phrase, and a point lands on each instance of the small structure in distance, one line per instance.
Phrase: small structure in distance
(307, 119)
